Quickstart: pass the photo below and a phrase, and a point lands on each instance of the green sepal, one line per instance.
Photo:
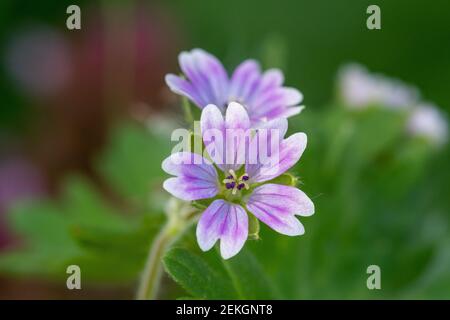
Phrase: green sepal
(253, 227)
(286, 179)
(201, 204)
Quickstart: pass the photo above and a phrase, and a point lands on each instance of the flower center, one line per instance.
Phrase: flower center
(232, 182)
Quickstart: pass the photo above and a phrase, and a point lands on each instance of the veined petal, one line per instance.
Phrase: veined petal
(206, 74)
(191, 70)
(235, 232)
(189, 188)
(290, 111)
(212, 125)
(224, 139)
(277, 205)
(236, 117)
(196, 178)
(270, 79)
(287, 225)
(183, 87)
(274, 101)
(214, 72)
(282, 200)
(237, 125)
(278, 112)
(189, 164)
(272, 165)
(279, 124)
(244, 81)
(210, 225)
(225, 221)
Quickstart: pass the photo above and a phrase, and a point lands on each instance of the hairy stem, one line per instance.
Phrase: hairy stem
(188, 116)
(151, 276)
(180, 216)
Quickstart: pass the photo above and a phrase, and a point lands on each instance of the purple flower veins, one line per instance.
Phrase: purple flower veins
(237, 190)
(207, 82)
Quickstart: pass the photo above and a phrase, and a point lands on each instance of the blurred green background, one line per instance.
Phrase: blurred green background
(85, 121)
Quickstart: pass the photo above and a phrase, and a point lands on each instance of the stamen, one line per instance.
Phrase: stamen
(233, 174)
(235, 184)
(228, 180)
(230, 185)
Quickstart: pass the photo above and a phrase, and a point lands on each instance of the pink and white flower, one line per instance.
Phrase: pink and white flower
(360, 89)
(207, 82)
(427, 121)
(236, 189)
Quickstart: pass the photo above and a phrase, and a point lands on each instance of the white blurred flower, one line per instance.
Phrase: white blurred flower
(360, 89)
(427, 121)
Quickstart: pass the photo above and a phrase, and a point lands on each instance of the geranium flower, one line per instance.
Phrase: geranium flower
(236, 186)
(427, 121)
(207, 82)
(359, 89)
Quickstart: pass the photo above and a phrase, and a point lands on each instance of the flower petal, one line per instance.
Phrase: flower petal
(272, 165)
(275, 102)
(216, 75)
(244, 81)
(278, 96)
(237, 125)
(196, 178)
(288, 225)
(183, 87)
(279, 124)
(277, 205)
(271, 78)
(210, 224)
(224, 139)
(189, 189)
(207, 75)
(212, 126)
(235, 232)
(289, 112)
(225, 221)
(236, 117)
(283, 200)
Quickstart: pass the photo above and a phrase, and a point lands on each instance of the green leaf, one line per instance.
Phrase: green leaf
(48, 245)
(240, 277)
(85, 207)
(248, 277)
(196, 276)
(80, 229)
(132, 162)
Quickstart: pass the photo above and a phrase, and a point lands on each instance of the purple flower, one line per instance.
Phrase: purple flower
(207, 82)
(237, 188)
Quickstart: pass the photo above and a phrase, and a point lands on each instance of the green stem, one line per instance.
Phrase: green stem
(180, 217)
(188, 116)
(151, 276)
